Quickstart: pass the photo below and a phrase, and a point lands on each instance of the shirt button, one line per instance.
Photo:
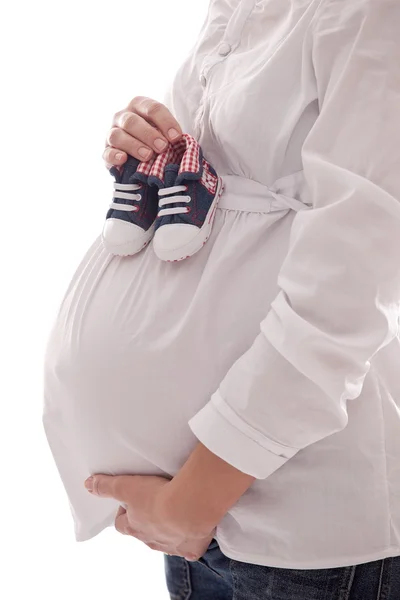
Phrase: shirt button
(224, 49)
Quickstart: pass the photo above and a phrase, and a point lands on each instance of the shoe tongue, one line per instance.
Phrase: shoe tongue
(129, 169)
(170, 175)
(127, 172)
(135, 170)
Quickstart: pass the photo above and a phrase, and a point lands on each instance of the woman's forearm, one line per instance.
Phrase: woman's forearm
(202, 492)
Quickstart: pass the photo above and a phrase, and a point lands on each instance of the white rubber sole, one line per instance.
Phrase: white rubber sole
(196, 244)
(132, 247)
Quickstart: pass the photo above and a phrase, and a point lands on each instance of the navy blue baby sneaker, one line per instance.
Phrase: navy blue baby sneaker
(130, 222)
(189, 190)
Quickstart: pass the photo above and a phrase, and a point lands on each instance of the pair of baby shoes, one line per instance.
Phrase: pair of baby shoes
(170, 199)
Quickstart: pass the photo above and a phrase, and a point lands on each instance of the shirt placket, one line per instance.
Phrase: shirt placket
(229, 42)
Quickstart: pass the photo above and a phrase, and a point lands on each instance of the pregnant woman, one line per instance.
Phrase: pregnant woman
(239, 410)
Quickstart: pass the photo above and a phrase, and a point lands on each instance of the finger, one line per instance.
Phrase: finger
(121, 511)
(120, 140)
(119, 487)
(159, 548)
(114, 157)
(158, 114)
(122, 524)
(194, 549)
(137, 127)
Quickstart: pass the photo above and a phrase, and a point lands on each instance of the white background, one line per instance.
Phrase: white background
(66, 68)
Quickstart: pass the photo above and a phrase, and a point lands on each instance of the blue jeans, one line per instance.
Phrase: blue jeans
(217, 577)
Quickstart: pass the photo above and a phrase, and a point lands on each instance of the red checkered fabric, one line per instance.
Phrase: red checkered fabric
(191, 158)
(209, 180)
(186, 153)
(145, 167)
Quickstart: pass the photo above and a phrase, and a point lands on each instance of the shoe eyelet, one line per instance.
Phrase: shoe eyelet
(188, 209)
(186, 188)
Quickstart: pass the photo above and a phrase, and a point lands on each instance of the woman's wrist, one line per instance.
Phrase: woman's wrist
(198, 497)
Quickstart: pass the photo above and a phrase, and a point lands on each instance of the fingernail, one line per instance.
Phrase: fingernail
(190, 557)
(144, 152)
(119, 156)
(160, 144)
(173, 134)
(89, 484)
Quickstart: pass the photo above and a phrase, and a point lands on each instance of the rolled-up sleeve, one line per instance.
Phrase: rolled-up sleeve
(339, 298)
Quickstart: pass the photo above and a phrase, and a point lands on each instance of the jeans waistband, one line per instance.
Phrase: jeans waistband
(248, 195)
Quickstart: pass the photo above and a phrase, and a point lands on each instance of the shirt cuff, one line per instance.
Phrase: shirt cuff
(225, 434)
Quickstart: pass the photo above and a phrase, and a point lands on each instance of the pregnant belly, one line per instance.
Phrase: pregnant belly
(139, 345)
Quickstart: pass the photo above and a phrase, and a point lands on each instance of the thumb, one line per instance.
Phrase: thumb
(109, 486)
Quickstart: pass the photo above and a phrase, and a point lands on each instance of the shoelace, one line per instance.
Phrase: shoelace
(173, 200)
(121, 193)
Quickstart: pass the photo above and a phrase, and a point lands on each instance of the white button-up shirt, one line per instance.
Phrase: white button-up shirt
(294, 102)
(312, 409)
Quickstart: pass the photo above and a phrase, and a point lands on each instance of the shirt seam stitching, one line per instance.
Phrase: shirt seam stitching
(251, 428)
